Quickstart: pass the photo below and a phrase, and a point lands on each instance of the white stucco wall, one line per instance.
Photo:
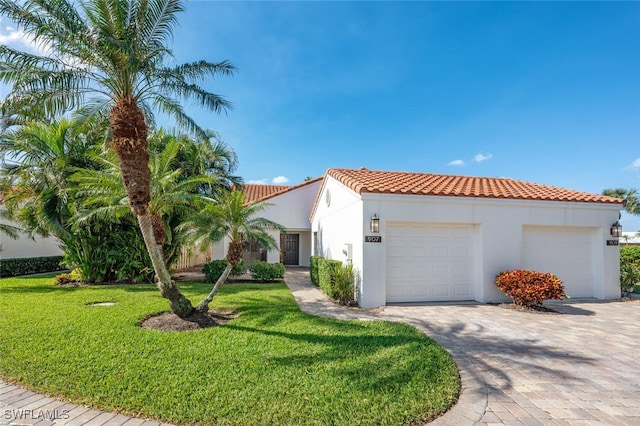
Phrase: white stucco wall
(26, 247)
(340, 223)
(498, 227)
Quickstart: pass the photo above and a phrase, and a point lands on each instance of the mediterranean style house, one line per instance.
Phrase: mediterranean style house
(416, 237)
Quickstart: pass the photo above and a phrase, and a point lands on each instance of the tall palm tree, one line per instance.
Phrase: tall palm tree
(230, 217)
(115, 51)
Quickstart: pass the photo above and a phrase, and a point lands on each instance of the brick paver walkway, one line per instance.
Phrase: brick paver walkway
(578, 368)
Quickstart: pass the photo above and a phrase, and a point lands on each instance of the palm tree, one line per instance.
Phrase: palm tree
(38, 159)
(630, 196)
(115, 50)
(230, 217)
(174, 194)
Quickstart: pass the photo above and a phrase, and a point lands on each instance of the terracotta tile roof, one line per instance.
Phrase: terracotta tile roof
(409, 183)
(253, 192)
(256, 192)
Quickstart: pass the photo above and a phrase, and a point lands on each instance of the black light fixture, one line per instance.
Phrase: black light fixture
(374, 224)
(616, 229)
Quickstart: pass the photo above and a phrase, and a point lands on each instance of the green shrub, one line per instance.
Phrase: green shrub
(528, 288)
(30, 265)
(327, 271)
(314, 270)
(343, 285)
(629, 254)
(629, 267)
(115, 253)
(267, 271)
(214, 269)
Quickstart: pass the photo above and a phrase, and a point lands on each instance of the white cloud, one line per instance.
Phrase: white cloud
(456, 163)
(479, 158)
(257, 182)
(279, 180)
(17, 39)
(635, 164)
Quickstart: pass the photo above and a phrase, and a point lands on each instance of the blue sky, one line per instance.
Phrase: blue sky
(547, 92)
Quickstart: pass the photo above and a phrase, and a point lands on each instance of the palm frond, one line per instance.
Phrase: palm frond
(157, 21)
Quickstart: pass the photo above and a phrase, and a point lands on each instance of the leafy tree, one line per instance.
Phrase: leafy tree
(630, 196)
(230, 217)
(115, 51)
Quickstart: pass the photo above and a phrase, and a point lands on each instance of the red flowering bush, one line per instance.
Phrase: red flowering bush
(528, 288)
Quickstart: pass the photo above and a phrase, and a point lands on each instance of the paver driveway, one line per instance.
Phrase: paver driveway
(579, 367)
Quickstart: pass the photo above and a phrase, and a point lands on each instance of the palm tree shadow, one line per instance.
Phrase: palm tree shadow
(480, 355)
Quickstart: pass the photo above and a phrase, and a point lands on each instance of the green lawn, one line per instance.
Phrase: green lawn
(271, 365)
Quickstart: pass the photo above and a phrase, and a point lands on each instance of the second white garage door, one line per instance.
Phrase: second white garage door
(429, 262)
(565, 252)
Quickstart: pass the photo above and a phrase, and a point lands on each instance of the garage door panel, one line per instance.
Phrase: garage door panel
(436, 265)
(565, 252)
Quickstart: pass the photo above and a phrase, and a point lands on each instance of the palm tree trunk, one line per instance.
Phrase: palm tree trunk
(203, 306)
(180, 305)
(130, 143)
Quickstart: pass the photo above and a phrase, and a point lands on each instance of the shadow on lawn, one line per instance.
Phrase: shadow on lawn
(368, 361)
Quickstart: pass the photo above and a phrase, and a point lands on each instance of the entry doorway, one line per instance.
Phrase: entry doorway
(290, 249)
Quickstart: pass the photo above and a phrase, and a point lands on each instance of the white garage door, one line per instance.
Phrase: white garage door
(428, 262)
(567, 253)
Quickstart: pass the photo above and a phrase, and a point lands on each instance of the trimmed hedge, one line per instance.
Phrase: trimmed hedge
(266, 271)
(629, 267)
(315, 280)
(214, 269)
(528, 288)
(327, 271)
(630, 254)
(30, 265)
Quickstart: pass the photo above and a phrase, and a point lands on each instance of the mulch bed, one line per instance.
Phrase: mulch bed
(168, 321)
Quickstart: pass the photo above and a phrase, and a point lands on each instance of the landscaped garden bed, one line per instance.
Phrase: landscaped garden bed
(271, 364)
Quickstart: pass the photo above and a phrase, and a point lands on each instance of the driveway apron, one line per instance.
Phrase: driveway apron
(578, 367)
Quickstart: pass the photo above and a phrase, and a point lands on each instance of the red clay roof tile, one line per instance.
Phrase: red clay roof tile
(257, 192)
(384, 182)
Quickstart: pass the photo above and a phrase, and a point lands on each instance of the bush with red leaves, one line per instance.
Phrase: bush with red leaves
(528, 288)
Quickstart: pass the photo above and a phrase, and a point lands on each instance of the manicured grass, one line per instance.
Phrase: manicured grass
(271, 365)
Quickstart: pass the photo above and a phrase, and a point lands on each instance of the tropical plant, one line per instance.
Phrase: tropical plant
(174, 193)
(630, 196)
(38, 159)
(530, 288)
(115, 50)
(230, 217)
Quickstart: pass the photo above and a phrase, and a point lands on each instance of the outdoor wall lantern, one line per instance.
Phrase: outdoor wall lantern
(616, 229)
(374, 224)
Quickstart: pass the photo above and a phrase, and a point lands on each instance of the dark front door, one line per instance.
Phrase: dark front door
(290, 248)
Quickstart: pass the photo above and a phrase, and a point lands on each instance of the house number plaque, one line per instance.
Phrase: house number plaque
(372, 239)
(612, 242)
